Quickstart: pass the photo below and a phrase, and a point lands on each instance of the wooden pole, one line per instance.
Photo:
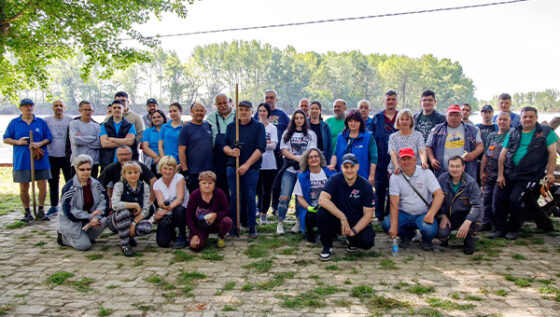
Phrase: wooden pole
(32, 160)
(237, 158)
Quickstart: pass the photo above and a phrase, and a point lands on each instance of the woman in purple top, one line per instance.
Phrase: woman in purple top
(207, 212)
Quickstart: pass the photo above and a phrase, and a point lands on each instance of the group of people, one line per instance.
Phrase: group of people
(423, 174)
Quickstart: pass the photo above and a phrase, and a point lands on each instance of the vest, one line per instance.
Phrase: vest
(129, 197)
(304, 181)
(532, 166)
(360, 148)
(381, 136)
(493, 155)
(438, 146)
(107, 155)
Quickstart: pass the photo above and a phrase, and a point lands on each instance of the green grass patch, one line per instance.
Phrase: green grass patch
(211, 255)
(521, 242)
(256, 251)
(16, 225)
(262, 266)
(387, 264)
(59, 278)
(93, 257)
(229, 286)
(502, 292)
(314, 298)
(474, 298)
(518, 256)
(229, 308)
(155, 279)
(4, 309)
(186, 278)
(327, 290)
(104, 311)
(83, 284)
(384, 303)
(138, 262)
(448, 305)
(362, 292)
(247, 287)
(419, 289)
(521, 282)
(39, 244)
(401, 285)
(180, 256)
(289, 251)
(537, 241)
(276, 281)
(142, 307)
(355, 256)
(112, 286)
(426, 311)
(331, 268)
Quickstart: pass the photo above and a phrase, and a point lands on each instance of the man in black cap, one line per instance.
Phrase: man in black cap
(487, 126)
(347, 203)
(249, 149)
(151, 107)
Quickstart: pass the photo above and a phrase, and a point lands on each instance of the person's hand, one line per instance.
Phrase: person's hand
(132, 230)
(243, 169)
(393, 231)
(371, 180)
(464, 229)
(94, 222)
(97, 212)
(156, 160)
(345, 227)
(211, 218)
(428, 219)
(160, 213)
(34, 145)
(23, 141)
(397, 170)
(469, 157)
(435, 164)
(195, 241)
(137, 210)
(483, 178)
(444, 222)
(501, 181)
(550, 179)
(235, 153)
(331, 167)
(425, 165)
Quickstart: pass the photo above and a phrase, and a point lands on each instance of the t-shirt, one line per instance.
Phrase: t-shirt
(59, 131)
(351, 200)
(336, 127)
(151, 135)
(170, 137)
(454, 143)
(426, 184)
(252, 136)
(117, 126)
(425, 124)
(485, 130)
(17, 129)
(279, 119)
(317, 182)
(200, 151)
(397, 141)
(298, 144)
(317, 129)
(170, 193)
(524, 144)
(268, 158)
(112, 174)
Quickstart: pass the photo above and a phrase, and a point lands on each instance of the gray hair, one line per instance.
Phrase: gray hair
(82, 159)
(503, 113)
(341, 100)
(272, 91)
(302, 99)
(220, 95)
(303, 166)
(124, 146)
(363, 100)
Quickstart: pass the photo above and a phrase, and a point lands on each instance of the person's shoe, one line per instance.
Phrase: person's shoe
(263, 220)
(27, 218)
(468, 244)
(221, 243)
(280, 228)
(512, 235)
(53, 210)
(253, 234)
(486, 227)
(417, 236)
(326, 254)
(427, 246)
(496, 234)
(180, 243)
(232, 234)
(349, 247)
(275, 212)
(127, 251)
(59, 239)
(41, 215)
(444, 243)
(296, 228)
(132, 242)
(405, 242)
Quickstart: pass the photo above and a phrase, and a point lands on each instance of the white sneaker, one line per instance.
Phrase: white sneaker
(296, 228)
(280, 228)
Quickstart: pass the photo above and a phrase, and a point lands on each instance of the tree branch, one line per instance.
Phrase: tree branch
(19, 14)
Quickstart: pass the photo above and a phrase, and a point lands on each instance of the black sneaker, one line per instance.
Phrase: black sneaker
(496, 234)
(59, 239)
(132, 242)
(326, 254)
(253, 234)
(468, 244)
(512, 235)
(128, 251)
(349, 247)
(27, 218)
(41, 215)
(427, 246)
(232, 234)
(405, 242)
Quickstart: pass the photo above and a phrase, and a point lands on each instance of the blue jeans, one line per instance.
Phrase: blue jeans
(288, 182)
(248, 183)
(408, 223)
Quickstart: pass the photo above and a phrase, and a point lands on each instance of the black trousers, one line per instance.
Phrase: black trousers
(488, 201)
(279, 164)
(310, 225)
(264, 189)
(329, 227)
(57, 164)
(509, 206)
(167, 224)
(192, 182)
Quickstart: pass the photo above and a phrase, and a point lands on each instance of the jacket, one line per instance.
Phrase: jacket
(107, 155)
(381, 135)
(532, 166)
(73, 217)
(438, 145)
(360, 148)
(304, 182)
(326, 138)
(466, 202)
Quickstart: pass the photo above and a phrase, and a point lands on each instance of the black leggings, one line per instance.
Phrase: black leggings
(57, 164)
(167, 224)
(264, 189)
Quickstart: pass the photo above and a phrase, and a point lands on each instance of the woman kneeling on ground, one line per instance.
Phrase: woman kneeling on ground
(171, 200)
(131, 204)
(84, 201)
(207, 212)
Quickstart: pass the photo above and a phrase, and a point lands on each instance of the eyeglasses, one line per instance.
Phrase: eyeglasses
(86, 169)
(124, 154)
(312, 157)
(87, 110)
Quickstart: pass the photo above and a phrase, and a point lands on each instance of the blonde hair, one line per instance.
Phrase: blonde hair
(206, 176)
(130, 165)
(166, 161)
(401, 113)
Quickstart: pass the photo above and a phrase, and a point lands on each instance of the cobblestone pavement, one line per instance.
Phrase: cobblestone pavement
(274, 275)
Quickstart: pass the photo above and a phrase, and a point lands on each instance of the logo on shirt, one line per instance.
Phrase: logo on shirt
(455, 141)
(355, 194)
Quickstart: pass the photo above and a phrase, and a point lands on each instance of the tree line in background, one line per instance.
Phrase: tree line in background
(215, 68)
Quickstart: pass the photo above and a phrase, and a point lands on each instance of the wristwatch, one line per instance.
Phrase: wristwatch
(354, 230)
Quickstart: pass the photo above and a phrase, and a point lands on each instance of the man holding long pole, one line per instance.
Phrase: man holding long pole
(17, 134)
(248, 148)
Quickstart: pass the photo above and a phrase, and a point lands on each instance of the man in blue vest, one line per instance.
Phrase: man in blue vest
(114, 132)
(454, 137)
(528, 154)
(383, 125)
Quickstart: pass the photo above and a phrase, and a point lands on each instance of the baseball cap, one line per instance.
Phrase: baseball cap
(26, 101)
(487, 108)
(151, 100)
(406, 152)
(246, 103)
(454, 108)
(349, 158)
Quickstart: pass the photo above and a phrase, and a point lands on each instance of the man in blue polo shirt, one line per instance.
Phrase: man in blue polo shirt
(17, 134)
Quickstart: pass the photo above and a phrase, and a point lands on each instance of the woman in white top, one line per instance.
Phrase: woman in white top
(268, 165)
(297, 138)
(171, 200)
(406, 137)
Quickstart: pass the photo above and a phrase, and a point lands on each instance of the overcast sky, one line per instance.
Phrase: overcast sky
(509, 48)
